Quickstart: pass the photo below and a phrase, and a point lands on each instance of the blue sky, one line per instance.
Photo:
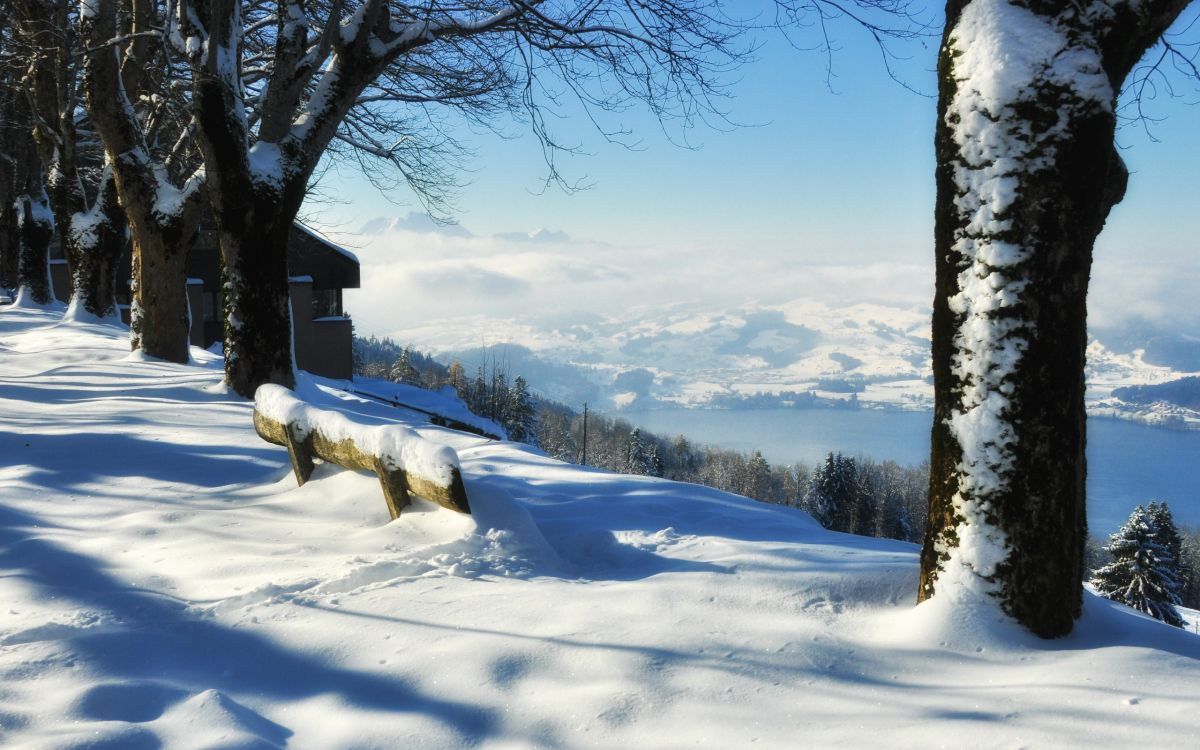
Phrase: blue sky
(814, 177)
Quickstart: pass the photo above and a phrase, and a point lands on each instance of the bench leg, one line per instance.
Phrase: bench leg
(395, 488)
(300, 452)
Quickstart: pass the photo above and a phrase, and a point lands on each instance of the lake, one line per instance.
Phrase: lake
(1128, 463)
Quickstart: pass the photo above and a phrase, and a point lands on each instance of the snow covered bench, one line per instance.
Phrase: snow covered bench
(405, 462)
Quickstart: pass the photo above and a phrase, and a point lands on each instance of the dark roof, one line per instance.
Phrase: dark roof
(331, 266)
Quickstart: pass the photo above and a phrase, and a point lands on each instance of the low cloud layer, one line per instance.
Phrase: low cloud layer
(415, 273)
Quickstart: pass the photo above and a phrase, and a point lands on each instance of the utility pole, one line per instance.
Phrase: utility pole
(583, 458)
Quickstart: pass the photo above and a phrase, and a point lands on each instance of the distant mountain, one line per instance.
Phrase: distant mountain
(414, 221)
(1183, 392)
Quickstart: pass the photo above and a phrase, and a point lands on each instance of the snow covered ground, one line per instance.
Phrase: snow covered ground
(164, 583)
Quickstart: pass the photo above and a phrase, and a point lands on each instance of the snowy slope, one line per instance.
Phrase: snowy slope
(165, 584)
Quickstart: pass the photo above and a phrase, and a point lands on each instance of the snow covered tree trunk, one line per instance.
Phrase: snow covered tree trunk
(91, 236)
(36, 224)
(162, 217)
(1027, 173)
(252, 202)
(11, 132)
(49, 83)
(10, 238)
(258, 321)
(10, 243)
(159, 315)
(98, 236)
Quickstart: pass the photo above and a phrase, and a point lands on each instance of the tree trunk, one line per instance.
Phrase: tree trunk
(162, 216)
(1026, 175)
(159, 316)
(253, 226)
(36, 231)
(98, 237)
(258, 321)
(10, 242)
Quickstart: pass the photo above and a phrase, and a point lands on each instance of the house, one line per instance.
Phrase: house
(319, 271)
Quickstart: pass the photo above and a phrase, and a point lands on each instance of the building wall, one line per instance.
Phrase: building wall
(195, 294)
(323, 346)
(302, 327)
(333, 346)
(60, 279)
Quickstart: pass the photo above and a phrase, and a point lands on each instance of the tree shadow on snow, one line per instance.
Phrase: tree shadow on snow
(98, 457)
(156, 639)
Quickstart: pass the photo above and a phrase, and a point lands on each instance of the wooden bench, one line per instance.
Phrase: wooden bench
(405, 463)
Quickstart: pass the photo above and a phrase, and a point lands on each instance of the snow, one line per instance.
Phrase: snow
(397, 446)
(332, 246)
(168, 199)
(166, 584)
(39, 209)
(25, 301)
(266, 164)
(417, 401)
(85, 226)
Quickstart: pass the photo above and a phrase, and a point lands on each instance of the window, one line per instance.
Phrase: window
(327, 303)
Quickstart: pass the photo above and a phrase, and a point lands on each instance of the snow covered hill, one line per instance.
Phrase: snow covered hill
(164, 583)
(701, 356)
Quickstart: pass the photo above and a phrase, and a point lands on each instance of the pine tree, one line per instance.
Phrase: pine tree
(477, 400)
(635, 454)
(404, 371)
(1168, 536)
(819, 498)
(522, 420)
(758, 478)
(654, 461)
(684, 459)
(865, 493)
(498, 399)
(1142, 573)
(843, 491)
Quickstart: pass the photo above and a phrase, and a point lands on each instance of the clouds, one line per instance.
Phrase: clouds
(467, 279)
(416, 273)
(1161, 293)
(538, 236)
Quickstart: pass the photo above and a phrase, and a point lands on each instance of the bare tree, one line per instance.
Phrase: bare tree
(11, 133)
(81, 191)
(350, 72)
(133, 95)
(1027, 173)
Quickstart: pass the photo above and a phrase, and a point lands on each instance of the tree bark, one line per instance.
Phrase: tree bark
(36, 231)
(258, 321)
(98, 238)
(92, 232)
(1025, 181)
(163, 218)
(10, 244)
(255, 200)
(253, 214)
(10, 239)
